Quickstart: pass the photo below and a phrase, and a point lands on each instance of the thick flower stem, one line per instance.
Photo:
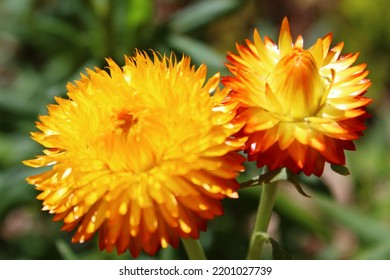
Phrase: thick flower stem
(193, 248)
(264, 211)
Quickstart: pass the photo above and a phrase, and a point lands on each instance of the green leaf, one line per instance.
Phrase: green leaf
(201, 13)
(200, 52)
(278, 253)
(378, 251)
(293, 179)
(14, 189)
(340, 169)
(275, 176)
(268, 177)
(366, 227)
(140, 11)
(65, 251)
(48, 28)
(100, 7)
(299, 214)
(13, 103)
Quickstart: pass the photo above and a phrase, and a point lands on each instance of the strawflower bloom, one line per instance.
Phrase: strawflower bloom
(302, 107)
(142, 156)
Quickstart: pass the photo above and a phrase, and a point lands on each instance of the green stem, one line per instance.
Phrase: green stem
(193, 248)
(264, 211)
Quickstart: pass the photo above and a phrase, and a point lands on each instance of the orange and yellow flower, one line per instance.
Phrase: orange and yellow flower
(142, 155)
(302, 107)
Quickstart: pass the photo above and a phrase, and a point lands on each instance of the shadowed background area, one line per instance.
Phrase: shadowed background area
(44, 44)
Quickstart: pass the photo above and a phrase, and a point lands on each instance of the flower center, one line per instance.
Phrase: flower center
(125, 120)
(296, 83)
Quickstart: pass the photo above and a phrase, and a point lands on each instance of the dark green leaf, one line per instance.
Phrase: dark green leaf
(199, 51)
(268, 177)
(139, 12)
(201, 13)
(299, 214)
(365, 226)
(65, 251)
(376, 251)
(340, 169)
(275, 176)
(278, 253)
(293, 179)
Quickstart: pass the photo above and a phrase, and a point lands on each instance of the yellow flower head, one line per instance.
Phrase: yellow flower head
(302, 107)
(142, 155)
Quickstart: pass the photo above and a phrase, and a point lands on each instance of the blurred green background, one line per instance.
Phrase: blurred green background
(46, 43)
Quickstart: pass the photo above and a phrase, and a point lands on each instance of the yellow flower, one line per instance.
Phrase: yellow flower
(142, 155)
(302, 107)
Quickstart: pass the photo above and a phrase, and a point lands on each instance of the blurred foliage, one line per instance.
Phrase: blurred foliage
(46, 43)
